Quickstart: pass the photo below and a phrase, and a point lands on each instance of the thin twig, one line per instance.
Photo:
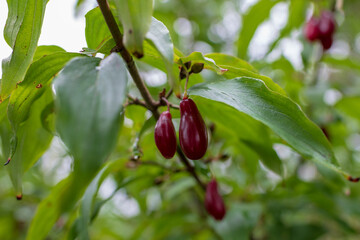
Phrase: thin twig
(186, 85)
(150, 103)
(190, 168)
(135, 101)
(164, 102)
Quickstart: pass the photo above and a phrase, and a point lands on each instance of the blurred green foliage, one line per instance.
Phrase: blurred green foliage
(138, 194)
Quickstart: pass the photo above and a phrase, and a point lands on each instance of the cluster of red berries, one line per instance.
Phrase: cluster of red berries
(321, 29)
(192, 132)
(193, 142)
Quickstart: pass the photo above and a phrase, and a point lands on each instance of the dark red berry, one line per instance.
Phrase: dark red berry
(312, 29)
(326, 24)
(192, 131)
(165, 135)
(326, 42)
(214, 203)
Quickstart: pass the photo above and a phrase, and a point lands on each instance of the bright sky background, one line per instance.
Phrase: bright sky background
(60, 27)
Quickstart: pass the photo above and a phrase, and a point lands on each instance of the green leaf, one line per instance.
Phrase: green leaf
(350, 106)
(228, 60)
(96, 30)
(250, 22)
(85, 93)
(159, 37)
(87, 205)
(32, 141)
(62, 198)
(239, 221)
(5, 132)
(89, 101)
(135, 16)
(32, 138)
(42, 51)
(237, 67)
(36, 81)
(22, 32)
(347, 63)
(240, 127)
(282, 115)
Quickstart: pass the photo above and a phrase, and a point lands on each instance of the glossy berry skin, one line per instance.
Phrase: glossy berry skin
(192, 131)
(326, 42)
(326, 24)
(165, 135)
(312, 32)
(214, 203)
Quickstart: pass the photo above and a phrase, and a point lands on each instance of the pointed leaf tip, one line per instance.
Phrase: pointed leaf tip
(352, 179)
(7, 162)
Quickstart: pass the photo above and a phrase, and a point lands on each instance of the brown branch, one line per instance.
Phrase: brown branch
(116, 34)
(163, 103)
(150, 103)
(190, 168)
(135, 101)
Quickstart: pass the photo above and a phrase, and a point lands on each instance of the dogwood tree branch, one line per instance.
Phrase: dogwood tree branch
(151, 104)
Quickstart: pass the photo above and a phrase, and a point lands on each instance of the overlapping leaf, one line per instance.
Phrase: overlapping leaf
(31, 141)
(241, 127)
(62, 197)
(22, 32)
(96, 30)
(135, 17)
(239, 68)
(89, 100)
(283, 116)
(36, 81)
(350, 106)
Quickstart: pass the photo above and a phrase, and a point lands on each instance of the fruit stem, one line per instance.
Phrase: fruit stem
(167, 103)
(186, 85)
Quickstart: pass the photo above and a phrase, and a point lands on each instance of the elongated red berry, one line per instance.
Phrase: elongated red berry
(326, 42)
(192, 131)
(312, 29)
(326, 24)
(165, 135)
(214, 203)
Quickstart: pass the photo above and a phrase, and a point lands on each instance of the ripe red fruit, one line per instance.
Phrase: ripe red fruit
(312, 29)
(192, 131)
(326, 24)
(214, 203)
(321, 29)
(165, 135)
(326, 42)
